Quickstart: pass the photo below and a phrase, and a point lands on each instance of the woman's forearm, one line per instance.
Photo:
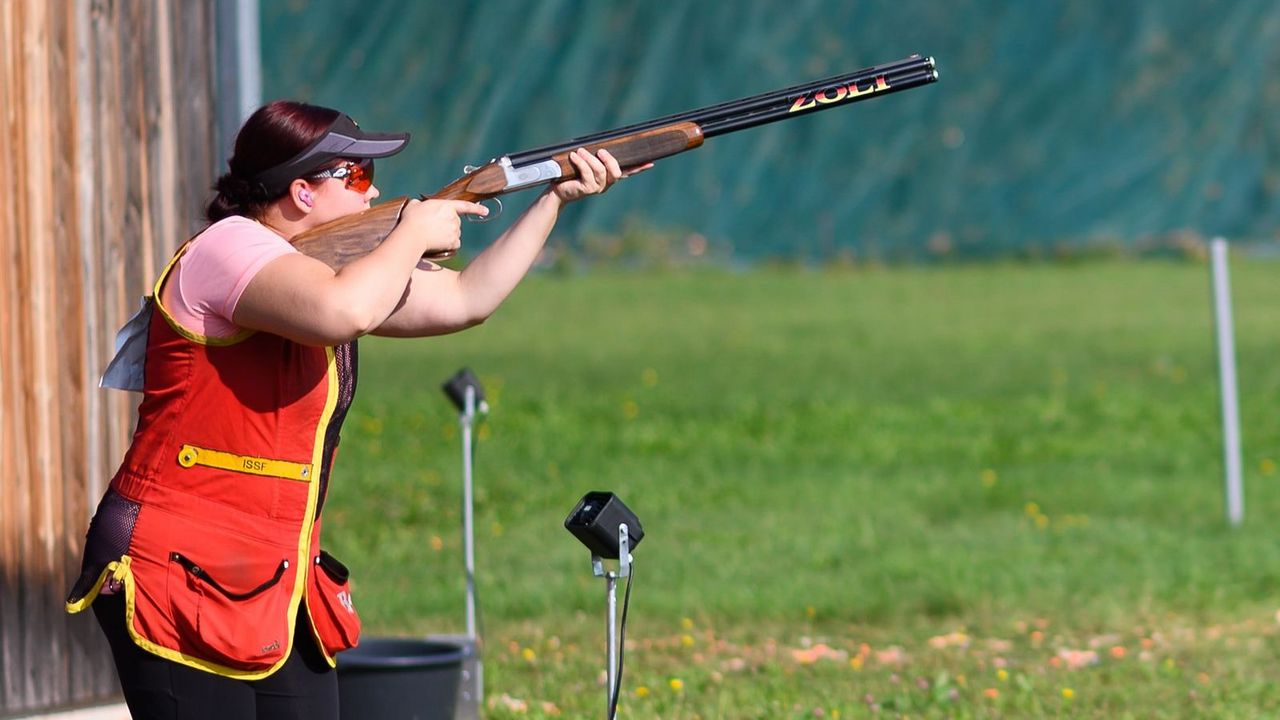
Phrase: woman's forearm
(375, 283)
(443, 301)
(496, 271)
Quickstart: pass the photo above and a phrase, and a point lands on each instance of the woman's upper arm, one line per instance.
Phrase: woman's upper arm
(295, 296)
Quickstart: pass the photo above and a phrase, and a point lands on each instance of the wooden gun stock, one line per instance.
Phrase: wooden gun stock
(341, 241)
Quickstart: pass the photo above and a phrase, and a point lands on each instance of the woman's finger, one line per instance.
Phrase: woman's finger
(636, 170)
(595, 170)
(612, 169)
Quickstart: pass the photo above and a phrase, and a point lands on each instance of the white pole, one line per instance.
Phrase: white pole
(239, 67)
(469, 536)
(611, 642)
(1227, 381)
(468, 505)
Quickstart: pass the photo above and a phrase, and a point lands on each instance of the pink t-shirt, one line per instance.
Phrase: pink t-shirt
(205, 285)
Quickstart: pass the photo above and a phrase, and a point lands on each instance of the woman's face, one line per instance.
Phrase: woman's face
(347, 189)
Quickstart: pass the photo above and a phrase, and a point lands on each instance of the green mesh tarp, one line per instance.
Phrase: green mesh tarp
(1055, 124)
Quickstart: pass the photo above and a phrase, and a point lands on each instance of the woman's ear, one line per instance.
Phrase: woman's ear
(300, 193)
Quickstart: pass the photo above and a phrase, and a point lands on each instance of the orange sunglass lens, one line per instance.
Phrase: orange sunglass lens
(360, 177)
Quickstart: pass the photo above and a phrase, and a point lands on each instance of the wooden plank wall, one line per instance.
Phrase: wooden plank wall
(107, 141)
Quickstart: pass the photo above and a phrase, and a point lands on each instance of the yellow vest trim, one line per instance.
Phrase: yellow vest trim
(190, 455)
(194, 337)
(117, 571)
(304, 538)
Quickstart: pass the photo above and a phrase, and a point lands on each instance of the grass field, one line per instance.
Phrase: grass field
(968, 491)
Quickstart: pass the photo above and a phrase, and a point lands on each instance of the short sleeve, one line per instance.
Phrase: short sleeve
(217, 266)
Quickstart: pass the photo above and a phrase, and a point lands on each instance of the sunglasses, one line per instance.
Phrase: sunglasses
(358, 176)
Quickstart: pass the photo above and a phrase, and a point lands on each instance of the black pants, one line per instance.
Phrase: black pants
(305, 687)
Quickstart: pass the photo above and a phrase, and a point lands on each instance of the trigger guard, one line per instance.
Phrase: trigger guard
(493, 213)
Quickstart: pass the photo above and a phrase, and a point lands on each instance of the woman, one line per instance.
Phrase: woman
(203, 561)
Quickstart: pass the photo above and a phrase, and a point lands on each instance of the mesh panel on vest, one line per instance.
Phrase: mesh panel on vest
(107, 540)
(345, 358)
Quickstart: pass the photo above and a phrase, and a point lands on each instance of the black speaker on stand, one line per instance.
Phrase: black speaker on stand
(610, 531)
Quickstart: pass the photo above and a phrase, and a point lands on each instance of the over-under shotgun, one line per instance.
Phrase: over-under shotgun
(341, 241)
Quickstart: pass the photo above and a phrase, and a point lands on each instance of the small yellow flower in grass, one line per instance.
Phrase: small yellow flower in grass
(630, 409)
(1002, 675)
(642, 691)
(810, 611)
(1032, 509)
(515, 705)
(1068, 693)
(528, 654)
(437, 543)
(856, 662)
(1267, 466)
(1042, 521)
(686, 623)
(676, 684)
(686, 640)
(988, 477)
(649, 377)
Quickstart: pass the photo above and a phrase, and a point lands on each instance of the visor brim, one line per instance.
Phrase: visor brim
(343, 139)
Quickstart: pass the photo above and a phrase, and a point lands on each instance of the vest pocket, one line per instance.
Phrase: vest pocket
(229, 614)
(329, 599)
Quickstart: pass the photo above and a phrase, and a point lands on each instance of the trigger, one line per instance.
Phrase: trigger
(493, 212)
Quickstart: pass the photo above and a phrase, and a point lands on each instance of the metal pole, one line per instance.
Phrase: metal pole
(612, 651)
(468, 536)
(468, 532)
(611, 639)
(1227, 381)
(239, 68)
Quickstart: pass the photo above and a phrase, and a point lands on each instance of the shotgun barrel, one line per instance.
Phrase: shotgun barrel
(733, 108)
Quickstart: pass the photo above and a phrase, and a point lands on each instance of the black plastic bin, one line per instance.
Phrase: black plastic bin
(399, 679)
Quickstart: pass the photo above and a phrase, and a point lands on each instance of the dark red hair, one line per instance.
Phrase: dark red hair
(272, 135)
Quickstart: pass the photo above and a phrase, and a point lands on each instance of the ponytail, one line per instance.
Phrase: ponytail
(236, 196)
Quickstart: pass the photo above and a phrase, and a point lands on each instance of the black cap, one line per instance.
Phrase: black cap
(343, 138)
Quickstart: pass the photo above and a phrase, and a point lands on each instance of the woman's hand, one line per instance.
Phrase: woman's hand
(439, 222)
(596, 174)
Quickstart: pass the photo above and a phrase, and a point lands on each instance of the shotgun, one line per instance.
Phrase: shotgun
(339, 242)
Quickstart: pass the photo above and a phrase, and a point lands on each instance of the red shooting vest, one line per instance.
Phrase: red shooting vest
(228, 465)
